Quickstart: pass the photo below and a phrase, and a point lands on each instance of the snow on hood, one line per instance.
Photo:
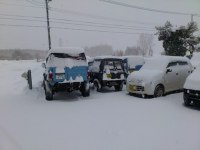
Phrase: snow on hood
(145, 75)
(193, 80)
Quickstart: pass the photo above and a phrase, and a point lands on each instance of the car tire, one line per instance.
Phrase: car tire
(29, 79)
(97, 86)
(187, 101)
(48, 94)
(119, 87)
(85, 92)
(159, 91)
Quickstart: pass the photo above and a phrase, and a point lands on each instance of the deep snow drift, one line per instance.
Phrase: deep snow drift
(104, 121)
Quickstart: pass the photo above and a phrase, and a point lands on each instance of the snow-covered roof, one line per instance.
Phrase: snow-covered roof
(67, 50)
(160, 62)
(169, 58)
(107, 57)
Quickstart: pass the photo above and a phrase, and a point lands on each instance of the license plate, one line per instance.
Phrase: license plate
(132, 87)
(60, 77)
(109, 75)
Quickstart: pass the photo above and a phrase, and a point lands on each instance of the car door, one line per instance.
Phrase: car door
(171, 77)
(185, 71)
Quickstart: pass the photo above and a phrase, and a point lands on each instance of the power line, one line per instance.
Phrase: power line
(87, 15)
(79, 24)
(22, 16)
(98, 23)
(77, 29)
(21, 25)
(36, 3)
(75, 22)
(27, 6)
(22, 19)
(91, 30)
(78, 21)
(146, 9)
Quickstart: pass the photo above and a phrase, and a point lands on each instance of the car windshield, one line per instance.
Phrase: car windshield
(113, 64)
(80, 56)
(154, 64)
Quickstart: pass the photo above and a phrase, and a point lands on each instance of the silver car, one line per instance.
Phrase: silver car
(159, 75)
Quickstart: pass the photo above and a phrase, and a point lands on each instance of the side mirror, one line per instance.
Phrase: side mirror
(43, 65)
(168, 70)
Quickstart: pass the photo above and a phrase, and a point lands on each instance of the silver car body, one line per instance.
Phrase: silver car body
(168, 71)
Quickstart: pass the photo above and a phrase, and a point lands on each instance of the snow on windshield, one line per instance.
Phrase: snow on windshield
(154, 64)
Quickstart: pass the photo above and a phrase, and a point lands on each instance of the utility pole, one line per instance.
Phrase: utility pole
(192, 17)
(48, 27)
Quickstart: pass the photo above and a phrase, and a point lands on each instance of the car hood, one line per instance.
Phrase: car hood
(193, 81)
(145, 75)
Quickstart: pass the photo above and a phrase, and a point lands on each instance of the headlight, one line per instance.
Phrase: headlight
(140, 81)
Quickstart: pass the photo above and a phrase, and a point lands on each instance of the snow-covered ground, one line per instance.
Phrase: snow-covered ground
(104, 121)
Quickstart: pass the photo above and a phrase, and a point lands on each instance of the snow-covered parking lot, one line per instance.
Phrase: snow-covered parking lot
(104, 121)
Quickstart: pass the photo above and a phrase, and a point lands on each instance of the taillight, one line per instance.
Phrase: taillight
(50, 75)
(88, 75)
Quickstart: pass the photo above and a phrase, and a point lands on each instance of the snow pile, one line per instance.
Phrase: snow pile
(104, 121)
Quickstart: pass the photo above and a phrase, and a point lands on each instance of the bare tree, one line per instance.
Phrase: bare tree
(99, 50)
(145, 43)
(132, 50)
(118, 53)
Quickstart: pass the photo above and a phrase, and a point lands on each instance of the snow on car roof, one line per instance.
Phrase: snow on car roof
(160, 62)
(169, 58)
(107, 57)
(67, 50)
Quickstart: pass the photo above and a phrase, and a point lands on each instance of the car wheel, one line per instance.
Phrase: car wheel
(97, 86)
(29, 79)
(159, 91)
(85, 90)
(187, 102)
(48, 94)
(119, 87)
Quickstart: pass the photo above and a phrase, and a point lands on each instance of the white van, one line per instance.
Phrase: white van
(192, 87)
(159, 75)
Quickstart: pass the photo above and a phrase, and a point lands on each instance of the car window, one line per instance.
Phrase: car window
(80, 56)
(172, 64)
(117, 64)
(96, 65)
(111, 64)
(182, 63)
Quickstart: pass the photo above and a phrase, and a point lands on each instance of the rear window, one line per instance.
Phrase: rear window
(80, 56)
(113, 64)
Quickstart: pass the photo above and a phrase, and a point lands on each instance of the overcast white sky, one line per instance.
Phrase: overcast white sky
(77, 12)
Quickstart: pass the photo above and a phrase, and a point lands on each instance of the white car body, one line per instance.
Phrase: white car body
(154, 73)
(193, 81)
(192, 88)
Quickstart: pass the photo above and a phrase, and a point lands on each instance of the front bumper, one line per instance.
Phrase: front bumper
(139, 89)
(193, 95)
